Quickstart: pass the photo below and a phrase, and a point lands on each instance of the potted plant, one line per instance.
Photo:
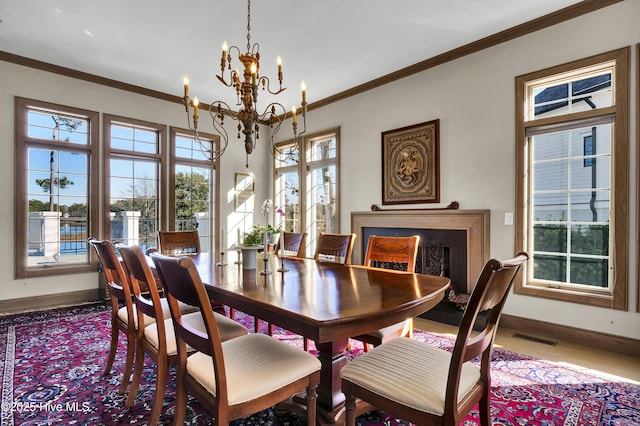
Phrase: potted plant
(251, 242)
(253, 237)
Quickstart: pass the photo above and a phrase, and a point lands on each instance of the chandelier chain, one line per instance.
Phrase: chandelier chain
(248, 26)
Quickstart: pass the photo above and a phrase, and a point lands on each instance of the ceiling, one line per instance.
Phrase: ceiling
(333, 45)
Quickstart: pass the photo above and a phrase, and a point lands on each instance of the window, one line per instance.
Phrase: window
(133, 183)
(572, 150)
(316, 175)
(56, 162)
(192, 186)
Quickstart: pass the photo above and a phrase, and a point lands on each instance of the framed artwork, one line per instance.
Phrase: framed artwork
(245, 198)
(411, 164)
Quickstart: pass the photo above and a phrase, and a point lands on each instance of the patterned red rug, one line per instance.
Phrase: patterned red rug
(52, 364)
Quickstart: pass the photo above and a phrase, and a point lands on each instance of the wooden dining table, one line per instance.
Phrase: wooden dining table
(324, 302)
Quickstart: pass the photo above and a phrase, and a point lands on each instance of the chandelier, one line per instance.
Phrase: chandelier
(246, 85)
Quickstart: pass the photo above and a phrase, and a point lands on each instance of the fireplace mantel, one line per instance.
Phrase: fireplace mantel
(475, 222)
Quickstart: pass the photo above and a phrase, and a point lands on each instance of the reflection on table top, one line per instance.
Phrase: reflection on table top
(322, 301)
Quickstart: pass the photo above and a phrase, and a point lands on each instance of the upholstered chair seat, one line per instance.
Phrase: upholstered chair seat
(258, 364)
(420, 384)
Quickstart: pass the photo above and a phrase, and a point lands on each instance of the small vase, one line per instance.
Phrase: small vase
(249, 257)
(273, 238)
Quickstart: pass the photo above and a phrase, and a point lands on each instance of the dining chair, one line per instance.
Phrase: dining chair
(397, 253)
(123, 313)
(293, 244)
(179, 242)
(426, 385)
(334, 248)
(176, 243)
(158, 339)
(238, 377)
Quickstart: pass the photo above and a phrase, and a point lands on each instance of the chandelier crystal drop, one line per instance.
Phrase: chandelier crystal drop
(246, 85)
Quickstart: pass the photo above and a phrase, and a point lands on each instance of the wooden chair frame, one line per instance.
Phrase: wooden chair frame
(390, 251)
(119, 294)
(339, 246)
(182, 283)
(179, 242)
(490, 293)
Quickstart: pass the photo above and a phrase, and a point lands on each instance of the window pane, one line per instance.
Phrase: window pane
(551, 268)
(550, 145)
(54, 126)
(578, 93)
(287, 156)
(188, 148)
(592, 272)
(322, 149)
(193, 201)
(550, 238)
(572, 187)
(288, 198)
(591, 206)
(590, 239)
(550, 207)
(133, 138)
(551, 175)
(134, 202)
(321, 199)
(58, 207)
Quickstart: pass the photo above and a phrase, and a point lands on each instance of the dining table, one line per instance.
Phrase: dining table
(322, 301)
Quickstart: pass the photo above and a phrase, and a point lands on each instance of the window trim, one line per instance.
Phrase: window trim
(21, 108)
(160, 156)
(617, 299)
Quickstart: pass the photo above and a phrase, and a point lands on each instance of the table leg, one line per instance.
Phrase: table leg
(332, 356)
(331, 401)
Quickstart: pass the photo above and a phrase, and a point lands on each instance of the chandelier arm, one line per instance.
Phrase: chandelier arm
(264, 79)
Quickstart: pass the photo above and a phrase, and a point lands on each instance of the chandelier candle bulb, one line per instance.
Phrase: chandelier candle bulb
(186, 85)
(293, 111)
(195, 107)
(254, 76)
(303, 87)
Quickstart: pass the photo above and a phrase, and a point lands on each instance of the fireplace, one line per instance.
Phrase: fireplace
(454, 242)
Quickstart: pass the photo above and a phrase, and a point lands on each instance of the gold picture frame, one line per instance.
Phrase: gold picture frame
(411, 164)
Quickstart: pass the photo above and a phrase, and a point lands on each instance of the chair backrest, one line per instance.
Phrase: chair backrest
(392, 252)
(141, 277)
(182, 283)
(335, 247)
(115, 276)
(179, 242)
(293, 243)
(490, 292)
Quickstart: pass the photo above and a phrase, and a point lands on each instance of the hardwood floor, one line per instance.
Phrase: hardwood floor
(585, 356)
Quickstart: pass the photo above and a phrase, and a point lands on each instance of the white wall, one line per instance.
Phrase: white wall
(474, 98)
(30, 83)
